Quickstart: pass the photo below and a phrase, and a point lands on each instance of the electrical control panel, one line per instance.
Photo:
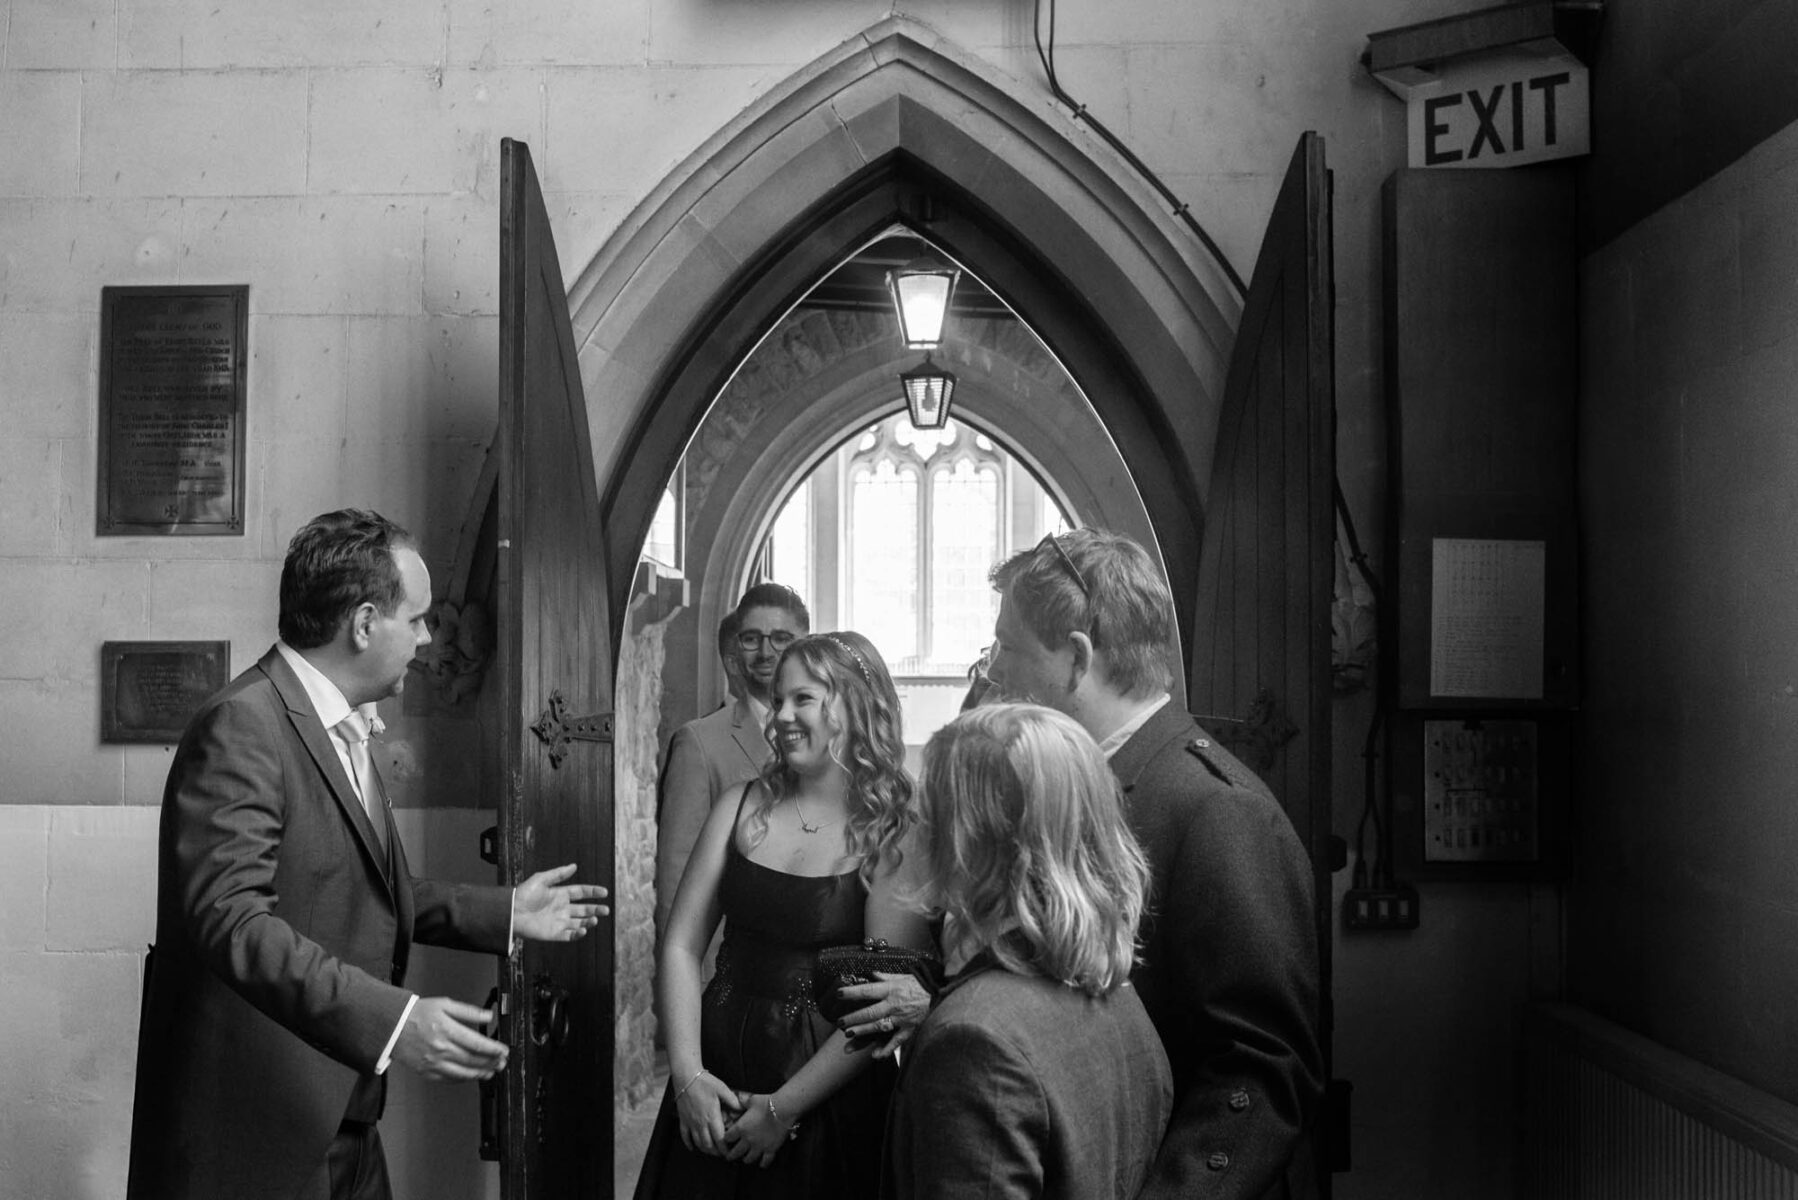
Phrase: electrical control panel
(1480, 795)
(1480, 792)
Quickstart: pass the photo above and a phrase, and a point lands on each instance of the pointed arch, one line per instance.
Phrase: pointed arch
(899, 126)
(756, 459)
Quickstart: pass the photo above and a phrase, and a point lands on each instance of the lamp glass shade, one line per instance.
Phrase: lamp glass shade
(929, 391)
(921, 291)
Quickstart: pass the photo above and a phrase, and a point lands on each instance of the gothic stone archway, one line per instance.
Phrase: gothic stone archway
(896, 127)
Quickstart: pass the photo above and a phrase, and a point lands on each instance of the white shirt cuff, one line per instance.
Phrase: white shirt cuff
(512, 922)
(386, 1059)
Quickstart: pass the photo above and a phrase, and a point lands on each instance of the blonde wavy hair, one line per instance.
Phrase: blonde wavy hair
(870, 748)
(1030, 856)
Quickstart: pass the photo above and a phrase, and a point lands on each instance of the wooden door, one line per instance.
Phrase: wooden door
(555, 661)
(1261, 642)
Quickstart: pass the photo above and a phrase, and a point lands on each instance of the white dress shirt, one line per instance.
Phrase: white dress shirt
(329, 703)
(1114, 741)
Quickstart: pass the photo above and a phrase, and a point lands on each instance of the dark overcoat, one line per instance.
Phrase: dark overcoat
(1229, 965)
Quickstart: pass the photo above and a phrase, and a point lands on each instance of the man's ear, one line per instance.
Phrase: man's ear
(1082, 645)
(362, 622)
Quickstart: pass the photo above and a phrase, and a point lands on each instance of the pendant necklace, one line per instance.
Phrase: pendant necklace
(806, 826)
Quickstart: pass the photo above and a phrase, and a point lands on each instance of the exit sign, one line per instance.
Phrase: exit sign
(1502, 111)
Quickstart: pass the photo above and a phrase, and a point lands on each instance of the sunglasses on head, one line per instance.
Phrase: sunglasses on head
(1049, 541)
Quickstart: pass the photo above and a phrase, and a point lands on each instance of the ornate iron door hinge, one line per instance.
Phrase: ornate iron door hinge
(555, 728)
(1257, 738)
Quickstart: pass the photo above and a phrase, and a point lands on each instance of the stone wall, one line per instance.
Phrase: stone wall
(636, 748)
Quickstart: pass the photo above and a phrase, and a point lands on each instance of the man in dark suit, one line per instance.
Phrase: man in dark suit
(285, 913)
(709, 756)
(1229, 965)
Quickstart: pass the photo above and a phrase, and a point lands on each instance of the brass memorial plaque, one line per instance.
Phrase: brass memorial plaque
(150, 690)
(171, 452)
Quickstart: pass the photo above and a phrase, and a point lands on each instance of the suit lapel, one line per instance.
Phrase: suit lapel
(311, 733)
(748, 735)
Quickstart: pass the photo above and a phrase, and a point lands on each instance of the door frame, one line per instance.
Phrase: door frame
(897, 127)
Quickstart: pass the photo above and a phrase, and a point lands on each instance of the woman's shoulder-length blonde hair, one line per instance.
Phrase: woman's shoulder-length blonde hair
(1030, 856)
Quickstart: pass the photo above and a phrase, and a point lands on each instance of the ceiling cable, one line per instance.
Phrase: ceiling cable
(1046, 55)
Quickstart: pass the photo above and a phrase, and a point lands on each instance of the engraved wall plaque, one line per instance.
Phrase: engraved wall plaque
(172, 369)
(150, 690)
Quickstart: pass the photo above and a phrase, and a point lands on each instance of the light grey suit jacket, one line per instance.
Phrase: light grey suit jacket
(706, 757)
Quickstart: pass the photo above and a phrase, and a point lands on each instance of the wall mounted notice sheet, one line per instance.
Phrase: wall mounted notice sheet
(1486, 616)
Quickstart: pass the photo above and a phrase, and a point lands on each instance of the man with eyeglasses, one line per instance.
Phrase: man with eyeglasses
(1229, 963)
(707, 757)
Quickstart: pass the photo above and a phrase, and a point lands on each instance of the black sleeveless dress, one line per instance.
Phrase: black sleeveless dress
(759, 1023)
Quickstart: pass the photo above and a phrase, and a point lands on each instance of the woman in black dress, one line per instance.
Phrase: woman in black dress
(765, 1098)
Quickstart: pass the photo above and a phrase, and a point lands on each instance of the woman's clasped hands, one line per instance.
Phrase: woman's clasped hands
(758, 1132)
(738, 1126)
(707, 1110)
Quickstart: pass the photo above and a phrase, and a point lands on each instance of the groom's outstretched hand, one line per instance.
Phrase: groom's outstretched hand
(547, 909)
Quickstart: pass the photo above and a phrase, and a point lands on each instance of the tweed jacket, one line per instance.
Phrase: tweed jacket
(706, 758)
(282, 936)
(1228, 967)
(1020, 1086)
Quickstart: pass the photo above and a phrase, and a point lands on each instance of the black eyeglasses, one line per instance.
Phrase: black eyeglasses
(1049, 541)
(752, 639)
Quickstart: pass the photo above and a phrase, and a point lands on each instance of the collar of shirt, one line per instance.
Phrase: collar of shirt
(758, 712)
(1114, 741)
(327, 701)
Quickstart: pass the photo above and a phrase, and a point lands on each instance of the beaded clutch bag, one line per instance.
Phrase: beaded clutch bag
(842, 966)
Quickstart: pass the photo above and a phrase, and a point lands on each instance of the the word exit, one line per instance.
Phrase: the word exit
(1501, 113)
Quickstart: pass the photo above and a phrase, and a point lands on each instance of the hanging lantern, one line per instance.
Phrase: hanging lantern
(929, 390)
(921, 292)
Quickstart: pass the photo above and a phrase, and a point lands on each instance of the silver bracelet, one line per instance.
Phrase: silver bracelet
(691, 1082)
(792, 1130)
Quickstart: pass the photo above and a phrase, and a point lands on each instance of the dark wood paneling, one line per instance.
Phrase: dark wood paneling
(554, 643)
(1261, 634)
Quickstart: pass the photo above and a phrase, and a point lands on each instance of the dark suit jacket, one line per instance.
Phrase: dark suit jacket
(706, 757)
(1021, 1087)
(1229, 966)
(282, 934)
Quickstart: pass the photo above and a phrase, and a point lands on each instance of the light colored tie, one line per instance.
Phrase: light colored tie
(353, 729)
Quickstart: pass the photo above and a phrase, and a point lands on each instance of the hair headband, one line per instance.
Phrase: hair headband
(860, 662)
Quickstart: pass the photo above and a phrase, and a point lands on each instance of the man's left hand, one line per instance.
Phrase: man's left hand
(545, 909)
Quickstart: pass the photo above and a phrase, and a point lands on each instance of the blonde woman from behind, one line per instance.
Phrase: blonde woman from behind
(1037, 1073)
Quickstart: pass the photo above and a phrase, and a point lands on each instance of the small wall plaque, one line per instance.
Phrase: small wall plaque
(150, 690)
(171, 452)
